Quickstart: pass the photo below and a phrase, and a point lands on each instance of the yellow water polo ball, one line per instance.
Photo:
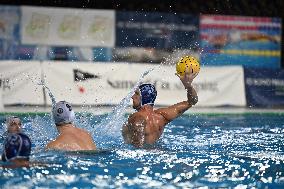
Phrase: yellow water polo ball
(187, 62)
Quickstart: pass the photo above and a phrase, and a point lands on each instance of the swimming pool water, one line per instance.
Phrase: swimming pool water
(195, 151)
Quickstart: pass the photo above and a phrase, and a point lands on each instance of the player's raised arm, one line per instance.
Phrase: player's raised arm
(186, 76)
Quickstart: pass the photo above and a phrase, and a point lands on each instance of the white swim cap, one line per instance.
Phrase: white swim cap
(63, 113)
(10, 120)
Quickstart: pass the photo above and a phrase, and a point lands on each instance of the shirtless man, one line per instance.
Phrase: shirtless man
(70, 138)
(146, 125)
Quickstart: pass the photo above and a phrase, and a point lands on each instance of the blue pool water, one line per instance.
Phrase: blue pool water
(206, 151)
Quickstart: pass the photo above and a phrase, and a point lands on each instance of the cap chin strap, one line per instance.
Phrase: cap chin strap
(150, 103)
(140, 98)
(5, 156)
(63, 123)
(20, 147)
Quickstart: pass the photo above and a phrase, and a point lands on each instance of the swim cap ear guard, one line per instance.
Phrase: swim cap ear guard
(63, 113)
(148, 94)
(16, 146)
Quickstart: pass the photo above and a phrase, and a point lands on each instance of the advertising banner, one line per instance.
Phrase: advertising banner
(157, 30)
(264, 87)
(67, 27)
(88, 83)
(221, 86)
(239, 40)
(9, 31)
(108, 84)
(19, 83)
(1, 101)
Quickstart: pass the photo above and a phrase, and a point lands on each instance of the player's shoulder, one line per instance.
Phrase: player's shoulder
(161, 110)
(137, 116)
(82, 131)
(51, 144)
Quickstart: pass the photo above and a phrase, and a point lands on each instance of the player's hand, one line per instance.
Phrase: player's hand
(187, 78)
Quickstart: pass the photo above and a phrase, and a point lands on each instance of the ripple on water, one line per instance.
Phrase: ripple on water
(194, 151)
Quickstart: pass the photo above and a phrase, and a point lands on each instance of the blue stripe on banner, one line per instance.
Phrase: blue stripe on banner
(227, 46)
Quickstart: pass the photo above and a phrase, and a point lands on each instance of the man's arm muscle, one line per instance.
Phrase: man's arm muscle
(178, 109)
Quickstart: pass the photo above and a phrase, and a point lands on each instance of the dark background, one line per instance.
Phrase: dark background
(265, 8)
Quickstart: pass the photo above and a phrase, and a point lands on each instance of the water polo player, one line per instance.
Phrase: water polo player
(70, 138)
(146, 125)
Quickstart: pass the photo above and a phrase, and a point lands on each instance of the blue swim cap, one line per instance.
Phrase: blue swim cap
(148, 94)
(16, 146)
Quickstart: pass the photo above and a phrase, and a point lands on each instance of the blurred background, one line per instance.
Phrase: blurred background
(87, 47)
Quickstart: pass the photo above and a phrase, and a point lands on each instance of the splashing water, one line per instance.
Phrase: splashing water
(111, 125)
(41, 129)
(107, 131)
(49, 93)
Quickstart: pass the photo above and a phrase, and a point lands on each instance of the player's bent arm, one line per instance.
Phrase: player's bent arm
(173, 111)
(192, 97)
(178, 109)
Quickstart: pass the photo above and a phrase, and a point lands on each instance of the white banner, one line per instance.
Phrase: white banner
(108, 83)
(19, 82)
(1, 101)
(67, 27)
(221, 85)
(103, 83)
(216, 86)
(89, 83)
